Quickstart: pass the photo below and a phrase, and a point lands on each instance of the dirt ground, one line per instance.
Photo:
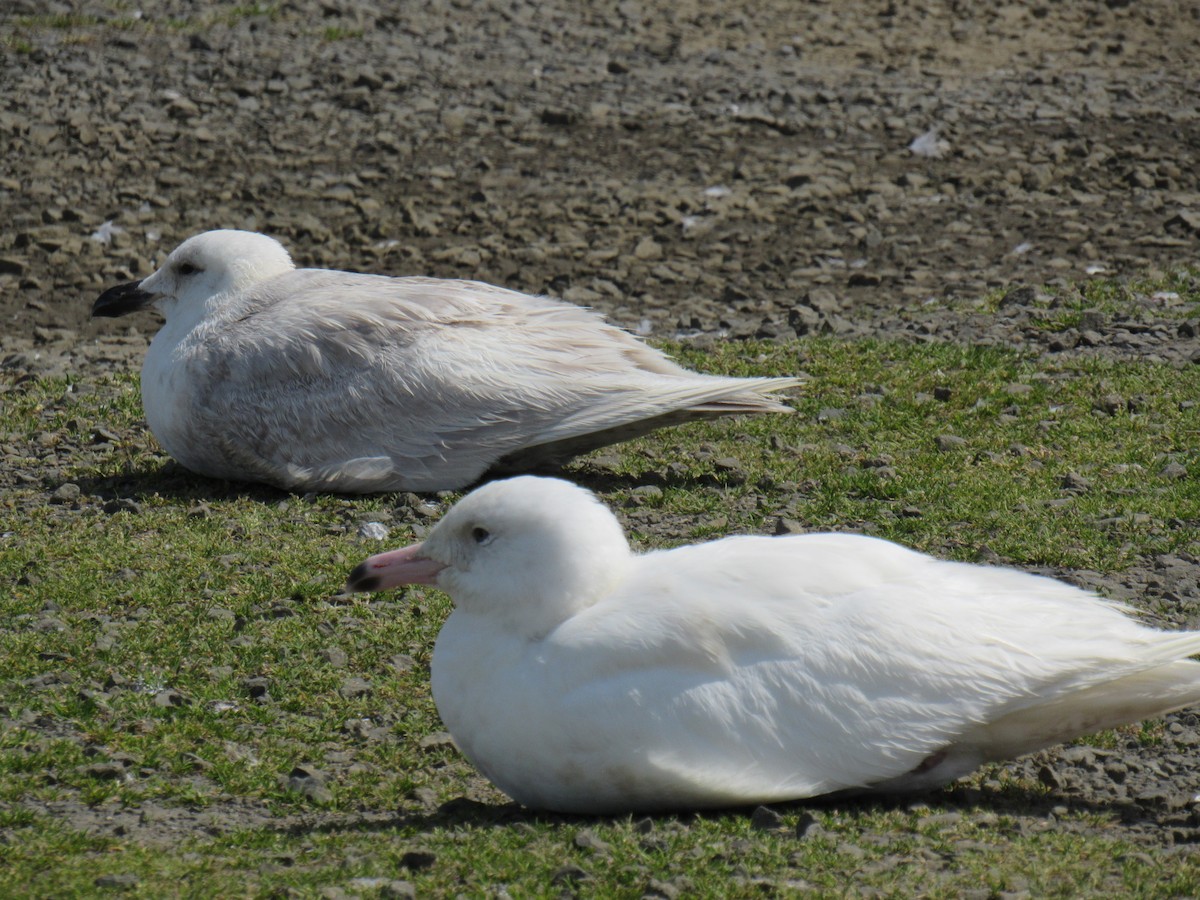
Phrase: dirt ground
(688, 168)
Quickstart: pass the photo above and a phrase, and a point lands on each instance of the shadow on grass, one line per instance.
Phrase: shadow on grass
(1013, 802)
(172, 481)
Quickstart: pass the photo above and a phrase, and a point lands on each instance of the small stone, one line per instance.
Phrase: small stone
(1050, 778)
(305, 771)
(439, 740)
(424, 796)
(398, 890)
(402, 662)
(1116, 771)
(947, 443)
(361, 729)
(1075, 483)
(355, 688)
(807, 826)
(569, 874)
(169, 699)
(373, 531)
(1111, 404)
(766, 819)
(336, 657)
(647, 492)
(587, 840)
(105, 771)
(648, 249)
(309, 781)
(1173, 471)
(788, 526)
(66, 493)
(102, 435)
(121, 882)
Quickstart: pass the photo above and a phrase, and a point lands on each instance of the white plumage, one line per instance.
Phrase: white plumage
(312, 379)
(583, 678)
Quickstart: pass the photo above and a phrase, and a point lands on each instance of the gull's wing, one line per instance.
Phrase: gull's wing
(426, 382)
(780, 668)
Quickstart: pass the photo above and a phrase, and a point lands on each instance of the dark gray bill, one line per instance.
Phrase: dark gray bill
(122, 299)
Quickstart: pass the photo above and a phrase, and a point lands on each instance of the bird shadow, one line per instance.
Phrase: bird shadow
(1014, 803)
(172, 481)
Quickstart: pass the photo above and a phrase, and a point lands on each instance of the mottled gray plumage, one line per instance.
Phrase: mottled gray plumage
(313, 379)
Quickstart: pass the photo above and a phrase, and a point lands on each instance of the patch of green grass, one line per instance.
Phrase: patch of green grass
(58, 21)
(1174, 295)
(863, 452)
(710, 856)
(15, 43)
(190, 656)
(340, 33)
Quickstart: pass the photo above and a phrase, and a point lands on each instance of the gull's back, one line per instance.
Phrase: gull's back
(325, 380)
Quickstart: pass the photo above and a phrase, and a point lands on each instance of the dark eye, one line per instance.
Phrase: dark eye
(187, 269)
(480, 535)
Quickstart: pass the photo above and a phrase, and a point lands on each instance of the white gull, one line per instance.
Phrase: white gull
(583, 678)
(314, 379)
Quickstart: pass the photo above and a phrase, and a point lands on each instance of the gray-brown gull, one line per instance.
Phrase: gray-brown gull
(583, 678)
(313, 379)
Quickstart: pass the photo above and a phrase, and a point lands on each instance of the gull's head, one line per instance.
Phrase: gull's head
(526, 552)
(211, 265)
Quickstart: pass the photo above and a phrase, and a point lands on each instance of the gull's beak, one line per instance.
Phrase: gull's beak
(122, 299)
(394, 568)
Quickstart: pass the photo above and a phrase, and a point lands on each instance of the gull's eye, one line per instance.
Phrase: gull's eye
(188, 269)
(480, 535)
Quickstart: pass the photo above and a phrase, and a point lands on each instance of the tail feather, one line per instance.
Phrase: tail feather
(601, 424)
(1122, 701)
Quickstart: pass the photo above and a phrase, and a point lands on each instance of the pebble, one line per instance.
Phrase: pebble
(373, 531)
(398, 890)
(335, 657)
(169, 699)
(766, 819)
(309, 781)
(1075, 483)
(437, 742)
(1173, 471)
(355, 689)
(65, 493)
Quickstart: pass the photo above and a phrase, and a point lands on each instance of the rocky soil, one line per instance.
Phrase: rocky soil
(759, 169)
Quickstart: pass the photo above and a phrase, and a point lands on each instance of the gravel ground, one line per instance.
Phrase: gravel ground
(690, 170)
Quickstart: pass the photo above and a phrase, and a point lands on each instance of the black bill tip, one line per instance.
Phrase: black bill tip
(121, 300)
(361, 579)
